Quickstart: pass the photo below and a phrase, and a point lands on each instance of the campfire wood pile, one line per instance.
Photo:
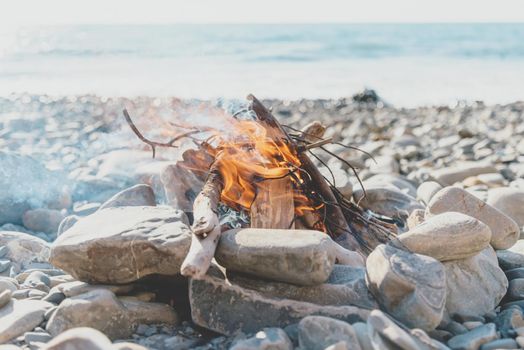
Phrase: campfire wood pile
(274, 205)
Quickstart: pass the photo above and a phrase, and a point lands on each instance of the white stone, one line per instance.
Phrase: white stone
(504, 231)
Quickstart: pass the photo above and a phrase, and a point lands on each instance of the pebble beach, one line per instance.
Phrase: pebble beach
(91, 242)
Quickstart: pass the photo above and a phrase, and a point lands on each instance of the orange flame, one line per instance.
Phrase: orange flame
(245, 155)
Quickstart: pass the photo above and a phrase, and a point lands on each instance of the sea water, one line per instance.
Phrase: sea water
(408, 64)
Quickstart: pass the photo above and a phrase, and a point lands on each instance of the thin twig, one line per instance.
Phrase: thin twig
(326, 166)
(334, 142)
(315, 144)
(154, 144)
(349, 165)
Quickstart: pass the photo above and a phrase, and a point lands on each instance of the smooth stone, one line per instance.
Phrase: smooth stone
(427, 190)
(466, 277)
(101, 309)
(473, 339)
(136, 196)
(515, 289)
(389, 202)
(218, 305)
(266, 339)
(37, 280)
(508, 320)
(56, 280)
(81, 338)
(318, 332)
(27, 184)
(24, 249)
(346, 286)
(37, 337)
(20, 316)
(447, 236)
(121, 245)
(440, 335)
(15, 228)
(411, 287)
(508, 200)
(43, 220)
(504, 231)
(48, 270)
(513, 257)
(472, 324)
(455, 328)
(54, 297)
(302, 257)
(66, 223)
(4, 265)
(5, 297)
(36, 294)
(385, 334)
(361, 331)
(450, 175)
(507, 343)
(492, 179)
(21, 294)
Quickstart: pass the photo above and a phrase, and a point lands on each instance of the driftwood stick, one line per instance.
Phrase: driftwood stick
(206, 228)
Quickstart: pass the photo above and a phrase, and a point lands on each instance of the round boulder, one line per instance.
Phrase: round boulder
(411, 287)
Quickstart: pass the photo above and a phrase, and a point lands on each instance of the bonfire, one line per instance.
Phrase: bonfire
(262, 170)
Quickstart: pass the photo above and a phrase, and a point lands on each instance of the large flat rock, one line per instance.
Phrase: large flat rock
(20, 316)
(100, 309)
(123, 244)
(346, 286)
(227, 308)
(302, 257)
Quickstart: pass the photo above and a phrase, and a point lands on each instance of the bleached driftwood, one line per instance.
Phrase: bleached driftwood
(206, 228)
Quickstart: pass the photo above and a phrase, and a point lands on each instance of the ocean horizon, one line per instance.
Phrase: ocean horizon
(407, 64)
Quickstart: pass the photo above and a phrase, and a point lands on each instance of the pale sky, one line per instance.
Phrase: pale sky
(30, 12)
